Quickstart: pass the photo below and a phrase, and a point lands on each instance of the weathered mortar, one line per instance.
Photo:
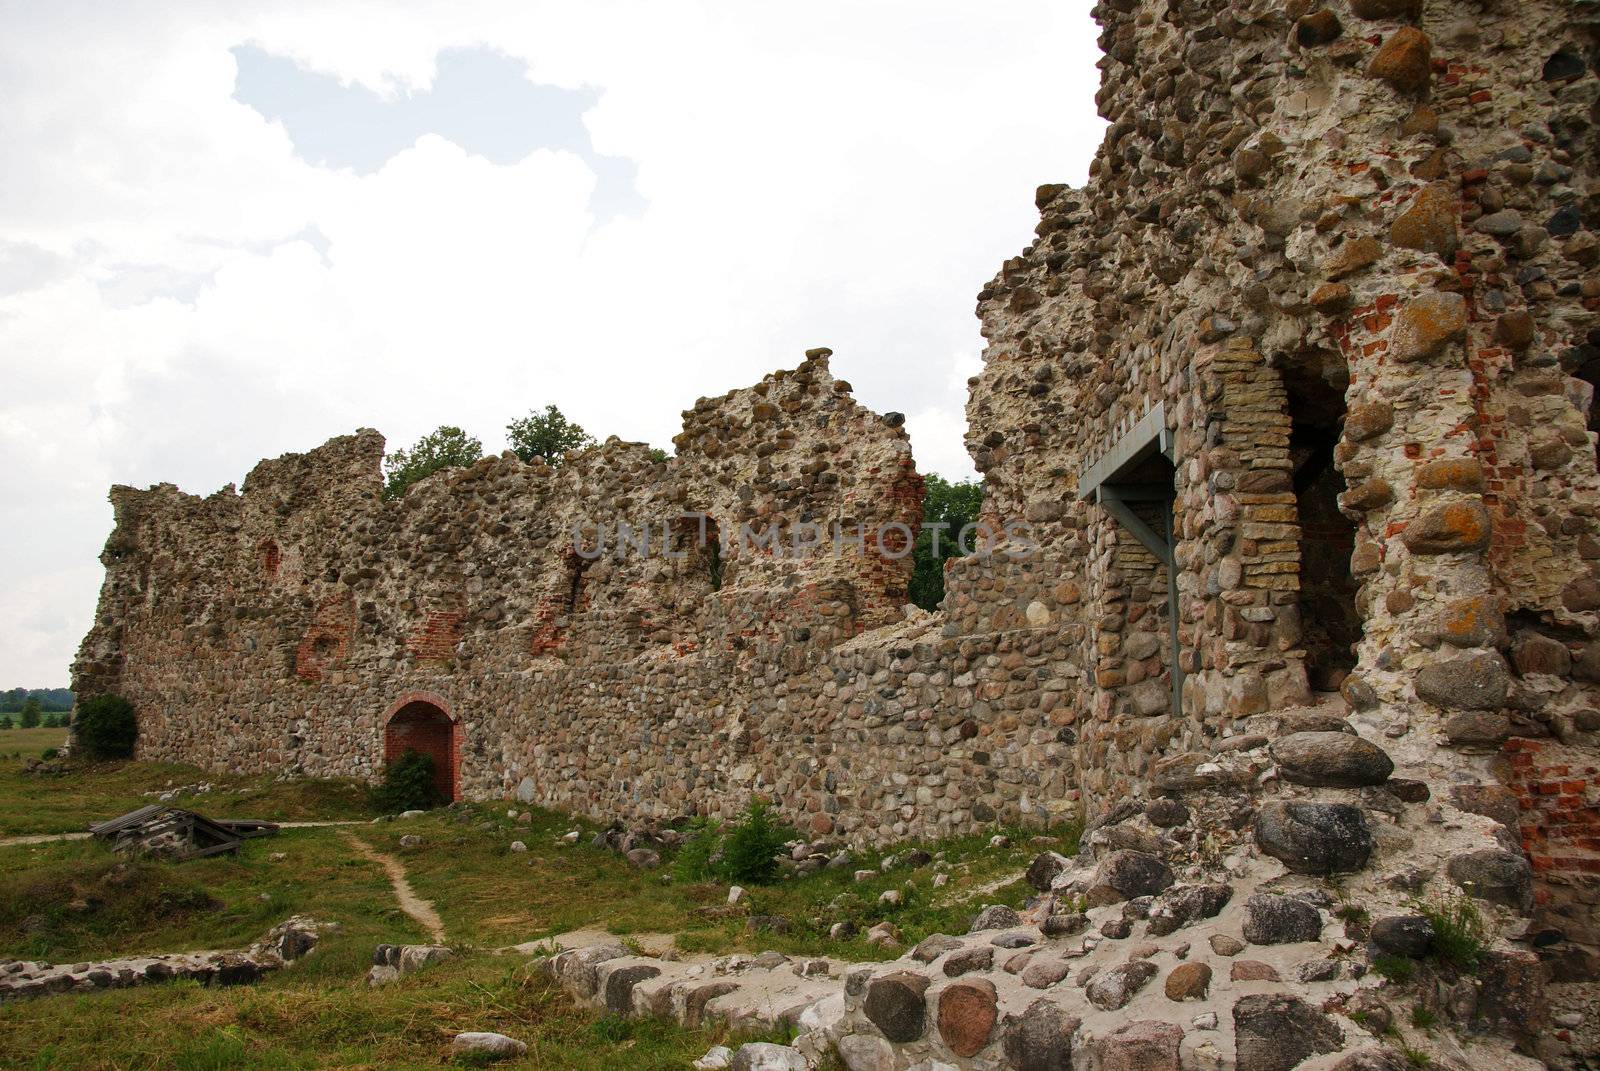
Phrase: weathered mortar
(1347, 248)
(274, 629)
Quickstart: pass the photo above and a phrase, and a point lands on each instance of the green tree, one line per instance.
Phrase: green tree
(954, 505)
(5, 721)
(32, 711)
(443, 448)
(107, 727)
(548, 435)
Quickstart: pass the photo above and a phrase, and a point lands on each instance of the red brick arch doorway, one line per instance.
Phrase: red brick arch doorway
(421, 722)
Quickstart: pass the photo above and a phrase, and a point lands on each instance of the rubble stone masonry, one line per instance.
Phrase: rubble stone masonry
(1322, 331)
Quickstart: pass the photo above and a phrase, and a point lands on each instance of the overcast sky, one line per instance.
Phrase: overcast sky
(225, 236)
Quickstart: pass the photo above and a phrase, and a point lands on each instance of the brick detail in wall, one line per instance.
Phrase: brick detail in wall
(423, 727)
(1558, 793)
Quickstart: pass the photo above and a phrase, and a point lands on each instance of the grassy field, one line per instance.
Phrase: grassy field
(29, 743)
(35, 803)
(76, 900)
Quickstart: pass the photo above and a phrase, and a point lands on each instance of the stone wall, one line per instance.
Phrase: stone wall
(1339, 261)
(281, 626)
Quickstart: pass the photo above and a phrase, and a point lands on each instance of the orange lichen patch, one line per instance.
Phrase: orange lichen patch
(1451, 474)
(1447, 529)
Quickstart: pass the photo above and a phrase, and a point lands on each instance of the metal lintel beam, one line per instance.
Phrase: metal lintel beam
(1108, 496)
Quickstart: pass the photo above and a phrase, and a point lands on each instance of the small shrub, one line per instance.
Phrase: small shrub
(407, 785)
(751, 843)
(49, 753)
(1422, 1018)
(694, 860)
(1459, 933)
(1415, 1057)
(1396, 969)
(106, 727)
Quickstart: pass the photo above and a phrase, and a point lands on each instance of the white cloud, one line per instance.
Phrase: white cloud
(845, 175)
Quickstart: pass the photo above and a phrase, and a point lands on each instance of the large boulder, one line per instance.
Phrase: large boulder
(1275, 920)
(1314, 838)
(1040, 1039)
(967, 1013)
(897, 1005)
(1331, 759)
(1127, 874)
(1496, 875)
(1273, 1032)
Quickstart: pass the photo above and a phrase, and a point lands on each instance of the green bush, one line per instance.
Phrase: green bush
(742, 853)
(407, 785)
(693, 862)
(750, 845)
(106, 727)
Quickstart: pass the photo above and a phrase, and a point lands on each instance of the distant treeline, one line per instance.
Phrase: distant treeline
(53, 700)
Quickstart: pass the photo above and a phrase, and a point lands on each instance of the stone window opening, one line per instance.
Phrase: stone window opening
(1330, 623)
(1135, 482)
(270, 557)
(698, 536)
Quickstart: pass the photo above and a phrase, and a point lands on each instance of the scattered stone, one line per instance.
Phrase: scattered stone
(1495, 875)
(486, 1045)
(1252, 970)
(1182, 905)
(1043, 870)
(1126, 874)
(1224, 945)
(977, 958)
(765, 1056)
(717, 1058)
(995, 917)
(1403, 935)
(1429, 223)
(1469, 682)
(1404, 60)
(1044, 973)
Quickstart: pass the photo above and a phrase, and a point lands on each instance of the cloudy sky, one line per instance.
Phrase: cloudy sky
(226, 235)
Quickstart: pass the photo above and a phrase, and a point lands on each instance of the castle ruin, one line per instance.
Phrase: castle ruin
(1296, 398)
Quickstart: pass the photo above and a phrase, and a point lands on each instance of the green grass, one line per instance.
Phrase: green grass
(1459, 931)
(491, 896)
(30, 743)
(308, 1017)
(76, 900)
(93, 792)
(79, 900)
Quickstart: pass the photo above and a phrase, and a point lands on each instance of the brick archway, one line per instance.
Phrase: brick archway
(419, 721)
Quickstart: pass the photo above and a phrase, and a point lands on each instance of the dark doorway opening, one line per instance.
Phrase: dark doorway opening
(423, 727)
(1330, 625)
